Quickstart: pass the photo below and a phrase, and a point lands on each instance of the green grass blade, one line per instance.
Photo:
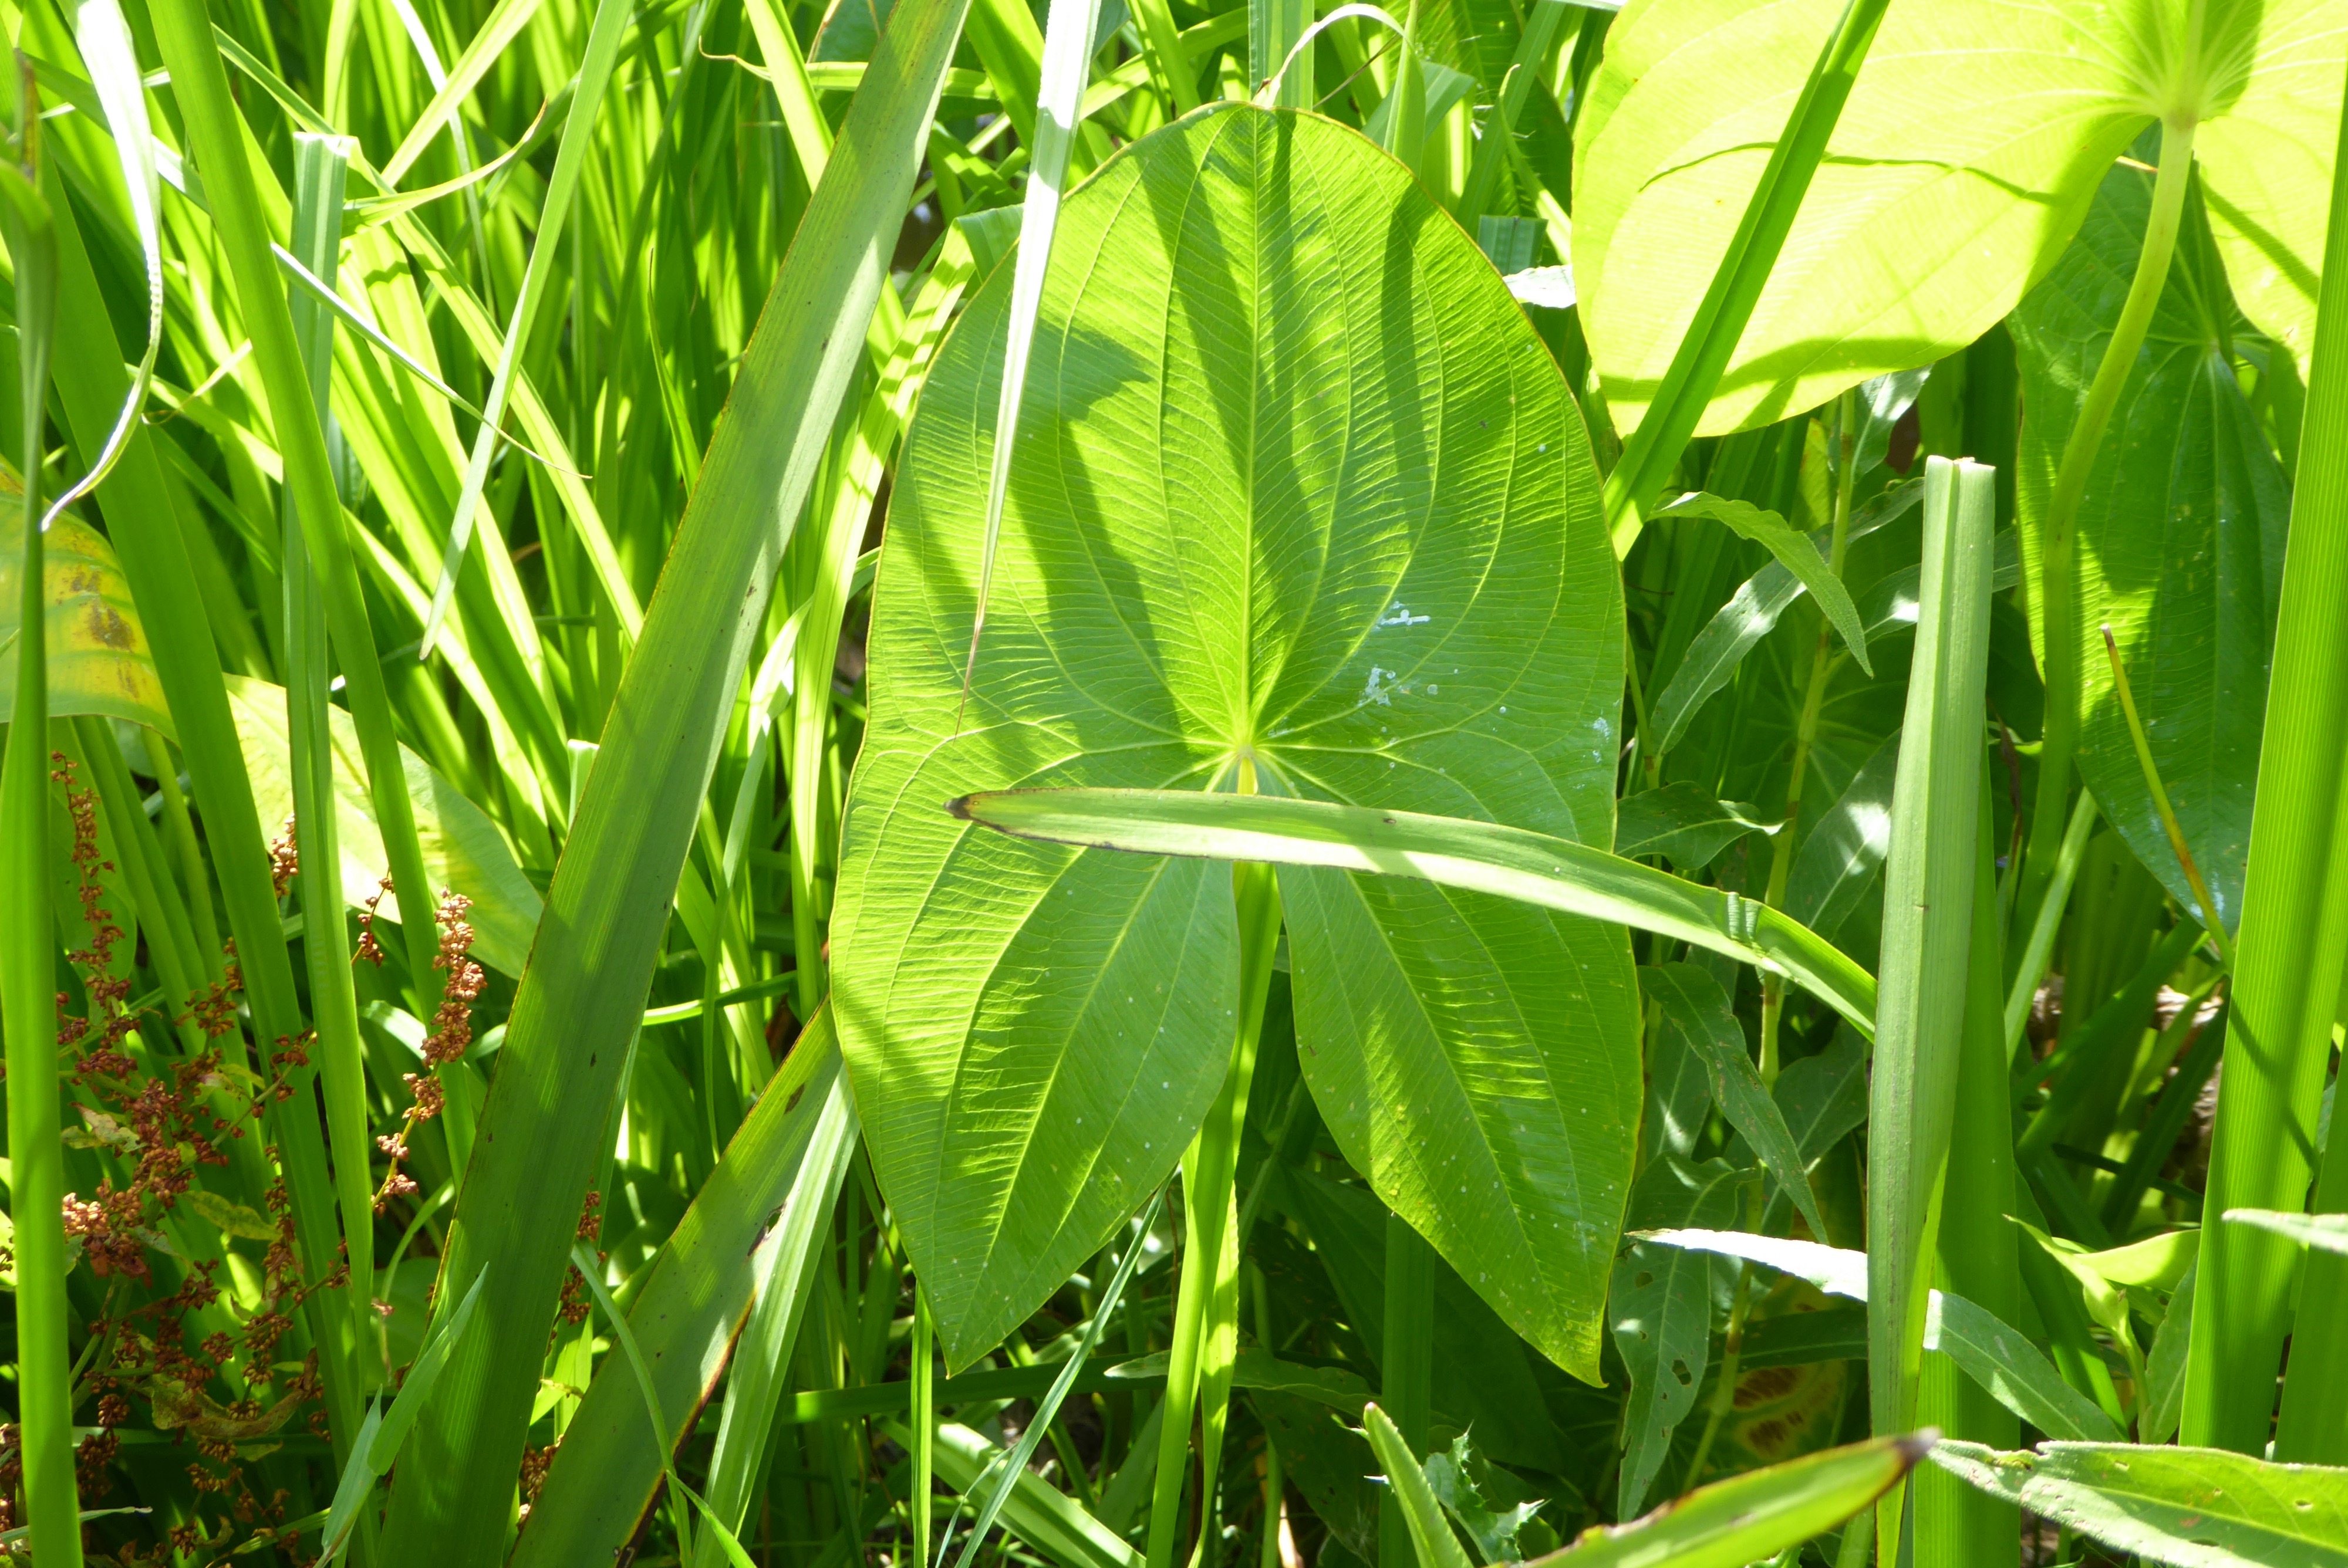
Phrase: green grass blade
(1456, 851)
(502, 26)
(1066, 64)
(1006, 1471)
(1751, 1517)
(762, 1352)
(319, 163)
(1654, 450)
(2294, 931)
(577, 130)
(2197, 1508)
(106, 48)
(607, 908)
(1791, 549)
(1955, 1528)
(1045, 1518)
(2046, 920)
(1429, 1532)
(1928, 877)
(1533, 45)
(28, 993)
(147, 526)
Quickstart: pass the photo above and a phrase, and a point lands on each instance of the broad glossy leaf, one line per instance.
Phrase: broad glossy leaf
(98, 661)
(463, 850)
(1662, 1310)
(2180, 540)
(1732, 1523)
(1298, 489)
(1961, 165)
(2194, 1508)
(1453, 852)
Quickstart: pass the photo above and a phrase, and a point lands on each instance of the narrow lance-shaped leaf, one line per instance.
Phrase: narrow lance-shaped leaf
(1068, 59)
(1927, 877)
(2294, 903)
(1698, 1009)
(1791, 549)
(37, 1185)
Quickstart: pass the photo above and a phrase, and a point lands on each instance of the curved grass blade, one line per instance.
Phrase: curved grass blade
(1748, 617)
(1481, 856)
(1743, 1521)
(1791, 549)
(2194, 1508)
(504, 25)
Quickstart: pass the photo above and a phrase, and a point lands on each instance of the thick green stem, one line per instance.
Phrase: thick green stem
(1205, 1306)
(2060, 648)
(2288, 949)
(27, 990)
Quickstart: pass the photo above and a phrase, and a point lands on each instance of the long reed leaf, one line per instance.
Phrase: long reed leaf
(36, 1181)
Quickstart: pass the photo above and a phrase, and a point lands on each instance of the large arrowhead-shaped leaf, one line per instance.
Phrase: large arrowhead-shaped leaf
(2182, 529)
(1961, 165)
(1297, 485)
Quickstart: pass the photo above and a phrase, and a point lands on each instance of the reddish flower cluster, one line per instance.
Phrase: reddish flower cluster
(452, 1026)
